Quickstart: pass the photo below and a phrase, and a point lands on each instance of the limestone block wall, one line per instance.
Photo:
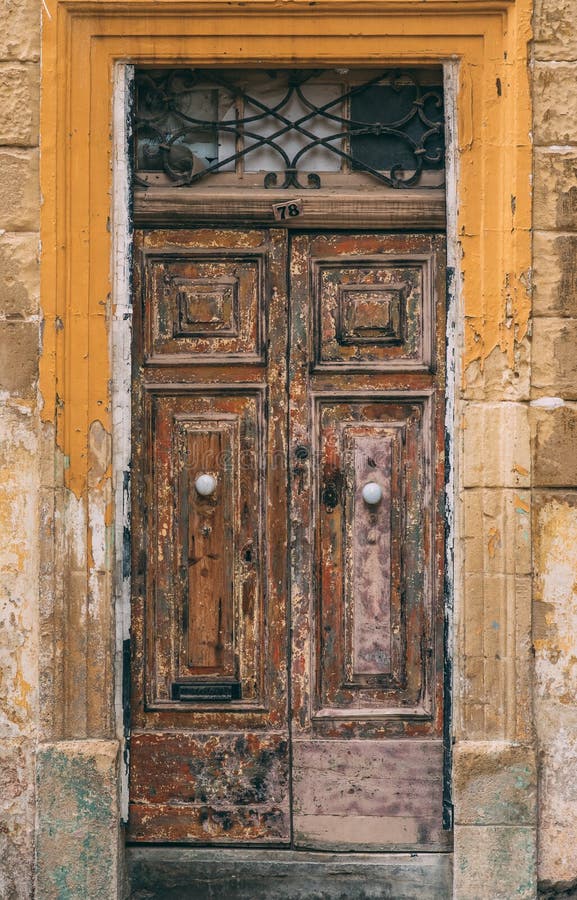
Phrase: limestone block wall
(20, 337)
(554, 436)
(518, 427)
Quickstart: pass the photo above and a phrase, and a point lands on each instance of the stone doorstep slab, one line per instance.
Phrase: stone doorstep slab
(213, 874)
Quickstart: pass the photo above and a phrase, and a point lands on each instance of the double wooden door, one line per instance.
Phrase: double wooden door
(288, 483)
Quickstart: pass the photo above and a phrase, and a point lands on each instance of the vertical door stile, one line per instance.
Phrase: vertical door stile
(301, 473)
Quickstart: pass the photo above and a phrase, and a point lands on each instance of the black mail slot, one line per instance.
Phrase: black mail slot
(206, 691)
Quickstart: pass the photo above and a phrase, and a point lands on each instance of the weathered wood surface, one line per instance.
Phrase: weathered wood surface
(209, 574)
(370, 459)
(367, 584)
(373, 312)
(368, 794)
(365, 402)
(210, 544)
(210, 787)
(204, 555)
(367, 393)
(419, 209)
(204, 304)
(374, 564)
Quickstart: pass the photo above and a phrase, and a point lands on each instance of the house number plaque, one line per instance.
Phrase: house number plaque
(289, 209)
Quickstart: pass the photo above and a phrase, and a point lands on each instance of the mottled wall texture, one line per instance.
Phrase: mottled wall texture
(554, 435)
(518, 439)
(20, 338)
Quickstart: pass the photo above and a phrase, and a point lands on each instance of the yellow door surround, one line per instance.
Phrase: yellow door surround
(82, 43)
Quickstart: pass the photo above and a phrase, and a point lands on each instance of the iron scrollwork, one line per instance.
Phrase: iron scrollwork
(390, 127)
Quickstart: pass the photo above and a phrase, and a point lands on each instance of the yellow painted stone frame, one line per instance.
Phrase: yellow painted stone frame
(82, 43)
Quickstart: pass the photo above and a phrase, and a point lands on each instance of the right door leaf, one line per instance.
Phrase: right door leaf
(367, 392)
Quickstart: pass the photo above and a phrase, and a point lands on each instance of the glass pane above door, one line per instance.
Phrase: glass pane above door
(287, 128)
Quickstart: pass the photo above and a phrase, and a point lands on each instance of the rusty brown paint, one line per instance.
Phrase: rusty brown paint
(209, 575)
(210, 787)
(210, 542)
(204, 305)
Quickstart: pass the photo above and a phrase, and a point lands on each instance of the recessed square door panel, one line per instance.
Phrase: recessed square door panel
(204, 305)
(373, 312)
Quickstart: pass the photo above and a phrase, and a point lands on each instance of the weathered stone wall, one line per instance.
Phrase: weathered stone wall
(19, 467)
(494, 778)
(554, 436)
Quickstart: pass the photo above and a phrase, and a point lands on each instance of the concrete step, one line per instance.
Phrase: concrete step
(178, 873)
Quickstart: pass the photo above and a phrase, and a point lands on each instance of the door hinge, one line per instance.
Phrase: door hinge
(126, 657)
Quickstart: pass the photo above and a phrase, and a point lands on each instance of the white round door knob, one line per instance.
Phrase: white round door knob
(205, 485)
(372, 493)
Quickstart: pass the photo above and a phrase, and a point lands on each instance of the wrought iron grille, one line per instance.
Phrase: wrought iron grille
(288, 125)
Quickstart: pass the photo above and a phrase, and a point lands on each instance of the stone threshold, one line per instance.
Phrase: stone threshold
(185, 873)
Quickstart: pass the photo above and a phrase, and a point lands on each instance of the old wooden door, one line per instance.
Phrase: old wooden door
(288, 406)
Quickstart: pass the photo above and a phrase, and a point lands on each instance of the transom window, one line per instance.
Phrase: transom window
(288, 128)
